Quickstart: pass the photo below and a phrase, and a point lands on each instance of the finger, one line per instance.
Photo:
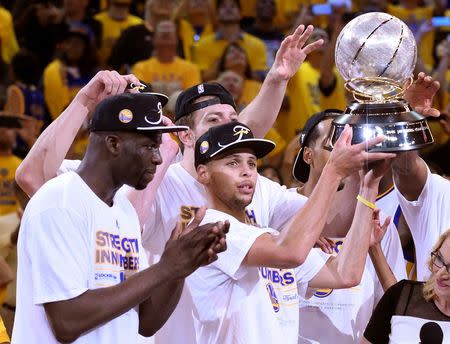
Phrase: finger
(376, 214)
(131, 78)
(305, 36)
(344, 137)
(198, 217)
(122, 83)
(386, 224)
(313, 46)
(372, 142)
(420, 78)
(116, 82)
(176, 232)
(108, 84)
(167, 121)
(295, 37)
(284, 46)
(369, 157)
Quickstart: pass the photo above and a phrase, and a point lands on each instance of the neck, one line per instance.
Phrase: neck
(117, 13)
(97, 175)
(443, 305)
(264, 25)
(75, 16)
(229, 31)
(307, 188)
(386, 182)
(165, 55)
(217, 204)
(188, 162)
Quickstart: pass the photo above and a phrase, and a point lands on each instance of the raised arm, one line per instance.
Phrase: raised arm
(159, 285)
(261, 113)
(291, 247)
(50, 149)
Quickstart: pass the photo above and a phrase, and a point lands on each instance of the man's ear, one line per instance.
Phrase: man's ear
(203, 174)
(187, 138)
(113, 144)
(308, 155)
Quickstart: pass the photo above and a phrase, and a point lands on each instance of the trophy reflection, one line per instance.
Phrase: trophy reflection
(376, 54)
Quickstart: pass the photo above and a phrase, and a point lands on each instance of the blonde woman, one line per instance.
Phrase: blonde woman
(416, 312)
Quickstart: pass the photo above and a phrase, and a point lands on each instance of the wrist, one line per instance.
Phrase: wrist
(331, 171)
(273, 77)
(83, 100)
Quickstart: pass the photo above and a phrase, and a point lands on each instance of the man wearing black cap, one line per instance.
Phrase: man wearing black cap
(83, 274)
(233, 299)
(348, 310)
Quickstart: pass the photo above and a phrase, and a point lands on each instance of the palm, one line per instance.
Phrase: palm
(292, 52)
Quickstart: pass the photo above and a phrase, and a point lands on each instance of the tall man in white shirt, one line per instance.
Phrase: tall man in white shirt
(233, 302)
(83, 275)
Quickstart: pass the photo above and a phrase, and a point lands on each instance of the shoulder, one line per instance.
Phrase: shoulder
(133, 20)
(253, 40)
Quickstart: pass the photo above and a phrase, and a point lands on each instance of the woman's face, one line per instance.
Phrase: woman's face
(236, 60)
(440, 275)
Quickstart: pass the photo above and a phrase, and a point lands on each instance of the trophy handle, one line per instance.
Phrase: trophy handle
(362, 97)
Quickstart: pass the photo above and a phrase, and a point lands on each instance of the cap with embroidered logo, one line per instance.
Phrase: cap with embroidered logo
(138, 112)
(185, 101)
(223, 138)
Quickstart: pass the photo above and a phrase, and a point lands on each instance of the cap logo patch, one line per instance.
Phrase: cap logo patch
(239, 131)
(204, 146)
(200, 88)
(125, 116)
(160, 112)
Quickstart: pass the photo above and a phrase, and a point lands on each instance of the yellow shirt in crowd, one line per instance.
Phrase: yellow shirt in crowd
(57, 94)
(8, 199)
(8, 41)
(305, 99)
(4, 338)
(211, 48)
(186, 33)
(111, 30)
(177, 75)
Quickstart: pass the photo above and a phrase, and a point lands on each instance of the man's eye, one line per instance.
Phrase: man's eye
(232, 163)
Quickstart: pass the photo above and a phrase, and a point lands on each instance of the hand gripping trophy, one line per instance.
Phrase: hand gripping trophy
(376, 54)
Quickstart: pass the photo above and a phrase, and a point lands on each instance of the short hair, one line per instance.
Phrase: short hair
(25, 66)
(428, 288)
(221, 64)
(219, 3)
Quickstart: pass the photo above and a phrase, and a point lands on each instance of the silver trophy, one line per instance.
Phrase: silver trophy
(376, 54)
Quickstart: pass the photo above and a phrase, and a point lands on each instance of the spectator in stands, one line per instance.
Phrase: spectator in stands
(195, 21)
(66, 75)
(165, 71)
(264, 28)
(113, 21)
(211, 47)
(8, 41)
(416, 312)
(136, 43)
(40, 27)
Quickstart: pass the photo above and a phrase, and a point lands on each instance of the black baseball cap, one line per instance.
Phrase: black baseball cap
(226, 137)
(300, 170)
(134, 112)
(184, 105)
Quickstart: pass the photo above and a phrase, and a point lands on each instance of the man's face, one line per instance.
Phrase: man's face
(139, 158)
(441, 276)
(212, 116)
(7, 138)
(233, 82)
(266, 9)
(74, 47)
(228, 12)
(232, 178)
(319, 155)
(165, 35)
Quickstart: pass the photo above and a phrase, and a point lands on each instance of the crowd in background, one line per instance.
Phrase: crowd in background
(51, 49)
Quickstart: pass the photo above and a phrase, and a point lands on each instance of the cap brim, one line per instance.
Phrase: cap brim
(261, 147)
(11, 121)
(300, 169)
(164, 129)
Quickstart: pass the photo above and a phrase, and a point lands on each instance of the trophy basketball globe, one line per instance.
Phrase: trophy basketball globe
(376, 54)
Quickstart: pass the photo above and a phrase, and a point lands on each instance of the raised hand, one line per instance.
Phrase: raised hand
(378, 229)
(420, 95)
(347, 159)
(292, 52)
(104, 84)
(194, 246)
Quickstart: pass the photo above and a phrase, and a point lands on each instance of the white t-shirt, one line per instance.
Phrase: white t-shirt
(341, 315)
(234, 304)
(70, 242)
(428, 217)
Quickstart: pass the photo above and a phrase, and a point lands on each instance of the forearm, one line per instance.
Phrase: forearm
(50, 149)
(410, 174)
(261, 113)
(351, 260)
(304, 229)
(382, 268)
(71, 318)
(156, 310)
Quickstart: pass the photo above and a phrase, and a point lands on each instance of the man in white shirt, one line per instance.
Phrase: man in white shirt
(233, 302)
(83, 275)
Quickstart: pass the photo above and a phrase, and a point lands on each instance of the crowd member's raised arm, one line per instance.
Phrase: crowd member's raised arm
(50, 149)
(262, 112)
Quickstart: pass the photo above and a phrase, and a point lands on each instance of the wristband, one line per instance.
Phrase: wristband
(366, 202)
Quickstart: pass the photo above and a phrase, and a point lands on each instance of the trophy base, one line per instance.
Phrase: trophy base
(403, 128)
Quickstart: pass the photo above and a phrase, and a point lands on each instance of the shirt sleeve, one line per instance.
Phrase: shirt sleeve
(379, 327)
(60, 255)
(240, 239)
(304, 273)
(68, 166)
